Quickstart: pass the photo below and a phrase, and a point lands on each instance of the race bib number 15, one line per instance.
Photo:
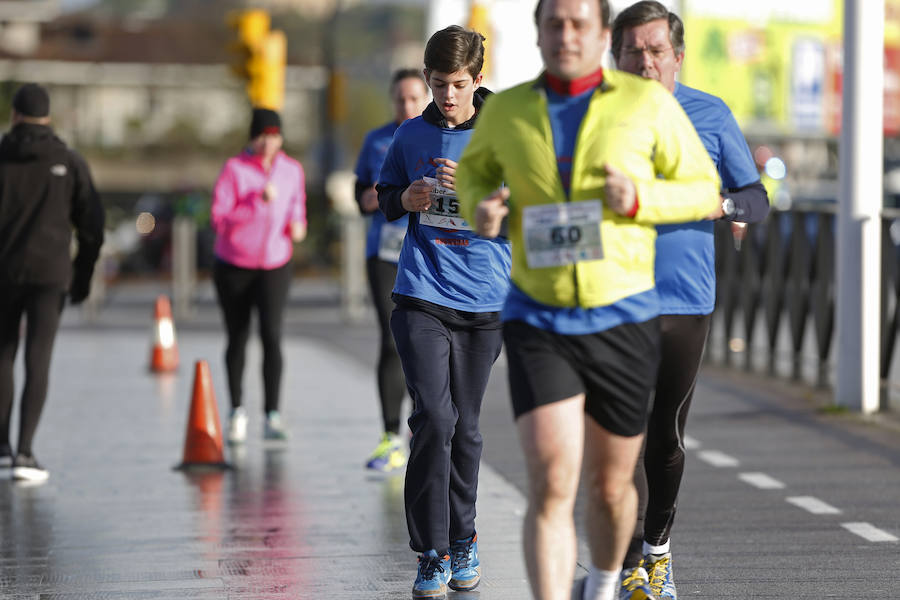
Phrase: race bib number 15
(444, 211)
(561, 234)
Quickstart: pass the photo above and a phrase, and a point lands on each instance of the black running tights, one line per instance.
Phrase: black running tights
(391, 383)
(661, 464)
(239, 291)
(41, 306)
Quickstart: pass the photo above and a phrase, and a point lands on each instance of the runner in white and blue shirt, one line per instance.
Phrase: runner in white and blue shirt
(409, 97)
(368, 166)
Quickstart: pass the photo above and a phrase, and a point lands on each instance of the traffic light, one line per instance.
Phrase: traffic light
(480, 21)
(260, 55)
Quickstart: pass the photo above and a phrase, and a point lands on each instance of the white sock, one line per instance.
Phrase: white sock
(600, 584)
(648, 549)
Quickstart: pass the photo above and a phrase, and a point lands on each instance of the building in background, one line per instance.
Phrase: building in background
(134, 93)
(20, 23)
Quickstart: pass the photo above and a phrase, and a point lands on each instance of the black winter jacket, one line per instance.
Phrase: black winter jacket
(45, 191)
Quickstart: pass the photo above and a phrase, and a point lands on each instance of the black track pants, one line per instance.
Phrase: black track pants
(447, 370)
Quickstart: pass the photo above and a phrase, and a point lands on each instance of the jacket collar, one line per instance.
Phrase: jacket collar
(31, 129)
(599, 79)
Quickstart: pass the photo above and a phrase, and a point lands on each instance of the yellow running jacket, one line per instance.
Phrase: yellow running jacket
(633, 124)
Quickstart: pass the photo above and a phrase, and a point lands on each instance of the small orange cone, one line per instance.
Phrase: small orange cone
(203, 440)
(164, 357)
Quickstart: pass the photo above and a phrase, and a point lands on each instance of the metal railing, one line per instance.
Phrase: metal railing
(779, 283)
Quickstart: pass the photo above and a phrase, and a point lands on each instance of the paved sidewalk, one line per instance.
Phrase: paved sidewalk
(296, 520)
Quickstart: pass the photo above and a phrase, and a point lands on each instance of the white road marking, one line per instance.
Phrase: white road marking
(690, 443)
(869, 532)
(717, 459)
(761, 481)
(813, 505)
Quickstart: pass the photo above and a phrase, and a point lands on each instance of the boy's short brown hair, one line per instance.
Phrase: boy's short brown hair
(455, 49)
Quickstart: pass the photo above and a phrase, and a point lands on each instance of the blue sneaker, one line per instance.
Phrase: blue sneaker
(465, 568)
(432, 576)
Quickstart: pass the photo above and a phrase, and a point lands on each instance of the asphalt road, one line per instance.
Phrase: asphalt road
(781, 499)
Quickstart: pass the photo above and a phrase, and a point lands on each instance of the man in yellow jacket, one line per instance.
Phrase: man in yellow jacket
(591, 160)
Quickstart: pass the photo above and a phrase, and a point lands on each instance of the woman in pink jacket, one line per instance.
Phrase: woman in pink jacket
(258, 211)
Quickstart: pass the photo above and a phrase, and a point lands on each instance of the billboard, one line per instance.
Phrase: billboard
(780, 68)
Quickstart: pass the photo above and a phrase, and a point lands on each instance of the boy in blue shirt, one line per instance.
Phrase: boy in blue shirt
(409, 96)
(451, 285)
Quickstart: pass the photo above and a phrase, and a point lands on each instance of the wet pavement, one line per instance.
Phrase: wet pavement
(301, 519)
(305, 519)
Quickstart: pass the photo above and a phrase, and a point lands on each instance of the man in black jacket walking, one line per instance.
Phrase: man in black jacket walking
(45, 191)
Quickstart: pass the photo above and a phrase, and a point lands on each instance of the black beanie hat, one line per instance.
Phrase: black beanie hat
(32, 100)
(264, 121)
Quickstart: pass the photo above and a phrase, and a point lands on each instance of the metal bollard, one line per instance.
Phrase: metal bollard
(339, 188)
(353, 268)
(184, 265)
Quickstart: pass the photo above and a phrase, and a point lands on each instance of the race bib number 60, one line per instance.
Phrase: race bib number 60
(561, 234)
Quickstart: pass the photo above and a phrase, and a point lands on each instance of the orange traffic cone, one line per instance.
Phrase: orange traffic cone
(203, 440)
(164, 356)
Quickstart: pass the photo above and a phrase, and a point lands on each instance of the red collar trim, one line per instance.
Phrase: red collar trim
(576, 86)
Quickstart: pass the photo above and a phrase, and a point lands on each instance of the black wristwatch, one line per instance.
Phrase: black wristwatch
(727, 207)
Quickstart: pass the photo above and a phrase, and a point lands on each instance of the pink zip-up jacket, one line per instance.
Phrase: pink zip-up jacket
(253, 233)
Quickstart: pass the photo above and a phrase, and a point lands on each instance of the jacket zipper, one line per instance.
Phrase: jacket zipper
(262, 254)
(268, 207)
(567, 196)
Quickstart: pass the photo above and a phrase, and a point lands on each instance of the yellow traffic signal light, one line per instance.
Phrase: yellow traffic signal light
(251, 26)
(480, 21)
(266, 85)
(260, 57)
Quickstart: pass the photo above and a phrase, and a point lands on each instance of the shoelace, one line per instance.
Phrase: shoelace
(658, 574)
(634, 580)
(461, 555)
(431, 564)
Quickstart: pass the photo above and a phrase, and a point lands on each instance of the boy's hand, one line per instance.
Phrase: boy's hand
(417, 197)
(446, 173)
